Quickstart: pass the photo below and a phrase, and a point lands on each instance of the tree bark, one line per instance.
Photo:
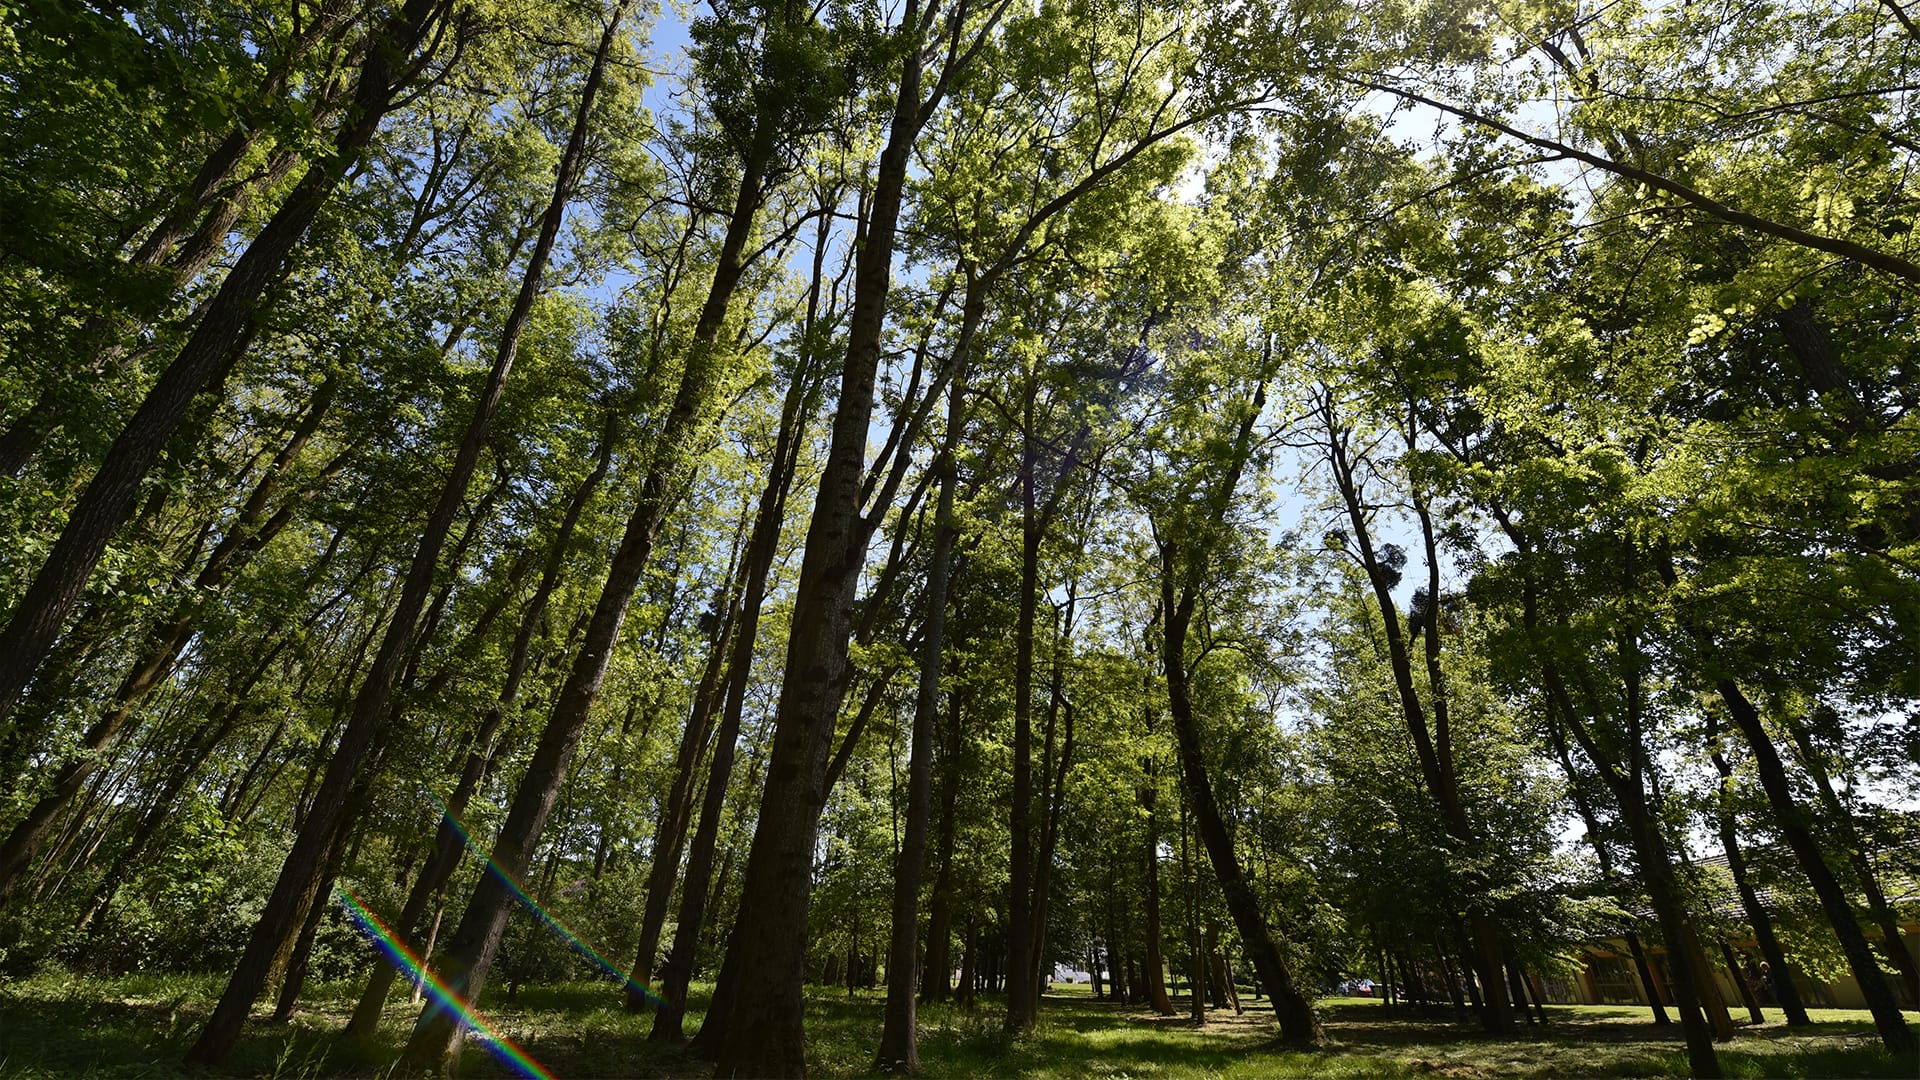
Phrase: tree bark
(448, 847)
(1431, 747)
(245, 536)
(1196, 954)
(937, 985)
(1627, 783)
(1891, 939)
(1154, 967)
(1747, 996)
(671, 833)
(761, 550)
(1115, 950)
(1646, 978)
(436, 1038)
(294, 982)
(1656, 872)
(1715, 1004)
(1054, 776)
(969, 959)
(1021, 1003)
(449, 844)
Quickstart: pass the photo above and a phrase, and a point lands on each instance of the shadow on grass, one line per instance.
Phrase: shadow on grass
(137, 1027)
(1606, 1042)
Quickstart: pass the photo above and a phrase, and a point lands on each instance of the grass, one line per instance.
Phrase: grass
(56, 1025)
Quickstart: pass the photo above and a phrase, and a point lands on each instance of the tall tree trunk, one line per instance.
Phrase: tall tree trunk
(761, 1032)
(185, 768)
(299, 877)
(899, 1035)
(1154, 967)
(1021, 1003)
(293, 983)
(1196, 954)
(1298, 1025)
(1517, 984)
(1645, 970)
(436, 1038)
(1785, 992)
(1452, 979)
(1227, 995)
(1116, 950)
(245, 536)
(1892, 941)
(1053, 777)
(1747, 996)
(448, 847)
(1432, 747)
(936, 985)
(671, 833)
(761, 550)
(449, 843)
(1893, 1029)
(1626, 781)
(1656, 868)
(1181, 572)
(1715, 1004)
(970, 958)
(1798, 832)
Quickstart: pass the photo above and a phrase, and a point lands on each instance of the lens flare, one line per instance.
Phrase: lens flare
(552, 921)
(397, 953)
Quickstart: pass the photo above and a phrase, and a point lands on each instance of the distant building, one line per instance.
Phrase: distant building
(1607, 974)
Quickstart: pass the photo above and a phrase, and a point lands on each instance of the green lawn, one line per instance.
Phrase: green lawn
(67, 1026)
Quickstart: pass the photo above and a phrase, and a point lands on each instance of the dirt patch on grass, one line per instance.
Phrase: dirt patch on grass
(1446, 1068)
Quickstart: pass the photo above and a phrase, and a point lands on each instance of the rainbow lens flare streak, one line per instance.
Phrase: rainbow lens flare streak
(397, 953)
(519, 891)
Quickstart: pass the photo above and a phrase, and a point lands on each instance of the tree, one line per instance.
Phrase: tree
(295, 892)
(207, 355)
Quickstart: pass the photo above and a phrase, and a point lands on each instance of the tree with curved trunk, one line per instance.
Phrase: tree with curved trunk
(1188, 528)
(1432, 743)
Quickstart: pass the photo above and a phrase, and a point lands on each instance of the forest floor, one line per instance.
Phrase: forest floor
(137, 1026)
